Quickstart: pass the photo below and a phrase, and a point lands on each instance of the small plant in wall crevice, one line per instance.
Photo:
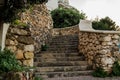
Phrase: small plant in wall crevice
(99, 72)
(44, 47)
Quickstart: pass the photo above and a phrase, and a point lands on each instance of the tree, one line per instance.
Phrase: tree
(8, 12)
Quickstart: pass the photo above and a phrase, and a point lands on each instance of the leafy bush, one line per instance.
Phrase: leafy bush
(64, 17)
(38, 78)
(8, 62)
(9, 11)
(99, 72)
(116, 69)
(105, 24)
(38, 1)
(44, 47)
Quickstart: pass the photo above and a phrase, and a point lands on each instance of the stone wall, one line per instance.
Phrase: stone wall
(99, 47)
(65, 31)
(19, 40)
(41, 24)
(26, 41)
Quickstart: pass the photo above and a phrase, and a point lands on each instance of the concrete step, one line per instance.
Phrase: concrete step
(60, 63)
(63, 74)
(62, 68)
(74, 58)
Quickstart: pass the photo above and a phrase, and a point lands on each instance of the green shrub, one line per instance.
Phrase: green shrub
(44, 47)
(116, 69)
(63, 17)
(38, 78)
(19, 23)
(8, 62)
(38, 1)
(99, 72)
(11, 8)
(105, 24)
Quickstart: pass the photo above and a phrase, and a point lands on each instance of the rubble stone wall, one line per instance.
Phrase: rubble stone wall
(26, 41)
(41, 23)
(19, 41)
(100, 49)
(65, 31)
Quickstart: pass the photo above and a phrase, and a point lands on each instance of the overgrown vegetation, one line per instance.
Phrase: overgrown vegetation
(44, 47)
(105, 24)
(8, 62)
(64, 17)
(116, 69)
(38, 78)
(11, 8)
(99, 72)
(19, 23)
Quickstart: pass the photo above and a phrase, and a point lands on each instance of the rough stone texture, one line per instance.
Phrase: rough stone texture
(25, 41)
(40, 22)
(14, 39)
(100, 49)
(29, 48)
(65, 31)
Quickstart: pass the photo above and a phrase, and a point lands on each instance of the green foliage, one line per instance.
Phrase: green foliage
(37, 1)
(105, 24)
(9, 12)
(38, 78)
(44, 47)
(63, 17)
(8, 62)
(116, 69)
(19, 23)
(99, 72)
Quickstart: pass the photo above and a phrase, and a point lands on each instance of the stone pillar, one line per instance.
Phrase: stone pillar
(3, 31)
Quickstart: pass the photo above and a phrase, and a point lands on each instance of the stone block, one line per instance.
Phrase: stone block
(29, 48)
(25, 39)
(107, 38)
(12, 48)
(116, 36)
(29, 55)
(19, 31)
(19, 54)
(28, 62)
(10, 42)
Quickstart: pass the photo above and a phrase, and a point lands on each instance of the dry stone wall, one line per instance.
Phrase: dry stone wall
(100, 49)
(26, 41)
(19, 40)
(41, 24)
(65, 31)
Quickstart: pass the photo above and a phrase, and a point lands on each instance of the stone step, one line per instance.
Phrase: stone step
(48, 54)
(63, 51)
(65, 41)
(63, 74)
(60, 63)
(63, 45)
(43, 59)
(62, 68)
(65, 36)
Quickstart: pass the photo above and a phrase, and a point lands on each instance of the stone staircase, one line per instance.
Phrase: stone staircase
(61, 59)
